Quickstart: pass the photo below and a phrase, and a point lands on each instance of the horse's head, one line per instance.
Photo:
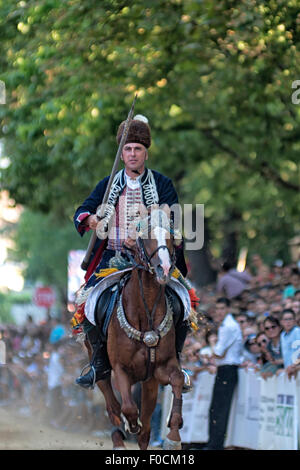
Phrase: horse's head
(155, 245)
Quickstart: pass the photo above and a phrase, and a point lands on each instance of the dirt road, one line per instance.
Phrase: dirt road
(19, 432)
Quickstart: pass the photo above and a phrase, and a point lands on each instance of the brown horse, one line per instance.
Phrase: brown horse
(141, 343)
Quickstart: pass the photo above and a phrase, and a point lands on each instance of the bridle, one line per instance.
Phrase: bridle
(151, 337)
(146, 259)
(146, 265)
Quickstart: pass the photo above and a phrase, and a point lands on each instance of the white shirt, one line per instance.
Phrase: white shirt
(230, 342)
(133, 183)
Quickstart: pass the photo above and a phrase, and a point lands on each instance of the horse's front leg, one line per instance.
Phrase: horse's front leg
(113, 407)
(173, 440)
(149, 398)
(129, 408)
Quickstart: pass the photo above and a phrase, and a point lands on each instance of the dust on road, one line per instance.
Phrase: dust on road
(19, 432)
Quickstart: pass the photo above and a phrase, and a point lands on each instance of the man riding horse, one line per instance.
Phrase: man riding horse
(132, 187)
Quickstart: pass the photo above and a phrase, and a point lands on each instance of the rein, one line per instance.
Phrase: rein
(150, 315)
(147, 258)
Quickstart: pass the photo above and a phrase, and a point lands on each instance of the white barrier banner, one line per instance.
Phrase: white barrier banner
(195, 409)
(243, 423)
(188, 405)
(278, 414)
(202, 397)
(267, 414)
(264, 414)
(2, 352)
(286, 427)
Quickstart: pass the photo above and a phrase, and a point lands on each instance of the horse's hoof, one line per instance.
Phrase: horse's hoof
(132, 430)
(136, 430)
(119, 448)
(171, 445)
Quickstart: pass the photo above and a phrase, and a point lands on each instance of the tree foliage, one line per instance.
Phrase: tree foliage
(214, 79)
(44, 247)
(5, 315)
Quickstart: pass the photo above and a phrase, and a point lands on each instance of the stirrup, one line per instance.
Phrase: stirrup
(94, 374)
(187, 386)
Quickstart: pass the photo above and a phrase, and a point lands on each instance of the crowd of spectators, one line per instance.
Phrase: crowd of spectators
(265, 301)
(42, 361)
(37, 379)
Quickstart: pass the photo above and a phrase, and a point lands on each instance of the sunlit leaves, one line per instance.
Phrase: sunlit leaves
(213, 78)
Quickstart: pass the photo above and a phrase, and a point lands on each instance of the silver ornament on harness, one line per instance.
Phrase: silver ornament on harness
(151, 339)
(131, 332)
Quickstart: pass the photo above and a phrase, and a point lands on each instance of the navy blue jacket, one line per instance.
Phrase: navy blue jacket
(166, 194)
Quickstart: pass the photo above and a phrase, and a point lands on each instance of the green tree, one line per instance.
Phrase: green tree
(214, 78)
(44, 246)
(5, 306)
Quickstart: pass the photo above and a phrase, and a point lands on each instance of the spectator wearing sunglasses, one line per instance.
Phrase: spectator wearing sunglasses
(251, 352)
(273, 350)
(289, 338)
(262, 342)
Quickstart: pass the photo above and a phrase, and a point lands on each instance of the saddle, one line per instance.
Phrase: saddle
(107, 301)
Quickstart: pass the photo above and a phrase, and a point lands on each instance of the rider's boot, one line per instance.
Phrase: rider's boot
(100, 367)
(181, 330)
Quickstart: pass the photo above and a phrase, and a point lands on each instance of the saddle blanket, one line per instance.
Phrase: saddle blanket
(113, 278)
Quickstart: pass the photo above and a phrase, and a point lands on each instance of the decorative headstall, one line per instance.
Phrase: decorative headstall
(151, 337)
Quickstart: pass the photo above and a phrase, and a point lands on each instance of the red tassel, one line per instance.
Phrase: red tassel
(195, 300)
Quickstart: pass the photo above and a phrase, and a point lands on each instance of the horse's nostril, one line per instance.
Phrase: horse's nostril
(161, 277)
(160, 271)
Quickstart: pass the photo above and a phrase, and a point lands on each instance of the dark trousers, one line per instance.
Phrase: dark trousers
(225, 383)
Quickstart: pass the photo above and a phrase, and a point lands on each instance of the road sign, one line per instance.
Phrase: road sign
(44, 296)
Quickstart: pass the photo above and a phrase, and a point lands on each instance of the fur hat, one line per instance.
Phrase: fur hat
(139, 131)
